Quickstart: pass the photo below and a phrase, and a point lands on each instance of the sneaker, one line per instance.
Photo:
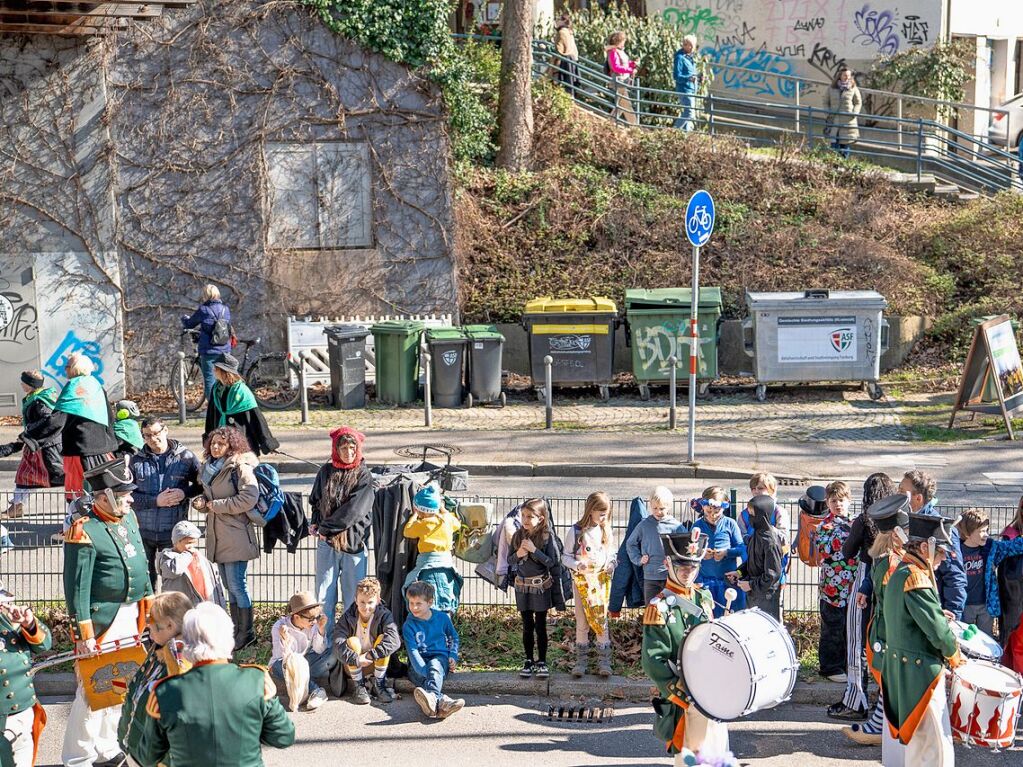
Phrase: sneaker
(360, 694)
(316, 699)
(540, 670)
(841, 711)
(427, 701)
(527, 669)
(838, 678)
(859, 734)
(448, 706)
(379, 690)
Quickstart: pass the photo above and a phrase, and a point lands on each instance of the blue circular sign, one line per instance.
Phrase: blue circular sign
(700, 218)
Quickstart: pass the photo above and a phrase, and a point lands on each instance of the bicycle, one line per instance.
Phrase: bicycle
(270, 375)
(700, 220)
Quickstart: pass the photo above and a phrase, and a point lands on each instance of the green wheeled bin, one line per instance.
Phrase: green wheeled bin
(658, 327)
(486, 364)
(396, 345)
(447, 367)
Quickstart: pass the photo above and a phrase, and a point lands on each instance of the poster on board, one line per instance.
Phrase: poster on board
(992, 380)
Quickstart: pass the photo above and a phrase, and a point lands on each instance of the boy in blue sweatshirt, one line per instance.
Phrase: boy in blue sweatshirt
(432, 646)
(725, 549)
(644, 546)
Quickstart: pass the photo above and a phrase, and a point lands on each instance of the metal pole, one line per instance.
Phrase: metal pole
(694, 346)
(672, 391)
(182, 410)
(427, 387)
(919, 149)
(898, 115)
(797, 108)
(303, 389)
(548, 391)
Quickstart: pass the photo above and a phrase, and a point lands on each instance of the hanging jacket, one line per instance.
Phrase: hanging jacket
(627, 581)
(395, 554)
(289, 526)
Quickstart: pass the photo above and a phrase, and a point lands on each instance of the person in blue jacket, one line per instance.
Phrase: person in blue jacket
(951, 574)
(206, 318)
(725, 549)
(686, 80)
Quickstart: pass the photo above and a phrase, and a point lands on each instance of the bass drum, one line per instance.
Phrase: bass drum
(738, 664)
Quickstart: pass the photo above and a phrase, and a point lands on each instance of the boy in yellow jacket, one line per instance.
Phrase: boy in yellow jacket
(434, 527)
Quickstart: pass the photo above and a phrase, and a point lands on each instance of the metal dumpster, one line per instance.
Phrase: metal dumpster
(816, 335)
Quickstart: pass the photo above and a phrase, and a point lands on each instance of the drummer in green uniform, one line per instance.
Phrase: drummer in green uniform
(668, 618)
(21, 717)
(918, 640)
(107, 590)
(189, 728)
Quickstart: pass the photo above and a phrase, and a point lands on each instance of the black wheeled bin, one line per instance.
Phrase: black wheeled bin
(447, 371)
(346, 352)
(486, 360)
(579, 334)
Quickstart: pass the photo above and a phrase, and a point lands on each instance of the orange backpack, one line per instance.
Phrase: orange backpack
(806, 538)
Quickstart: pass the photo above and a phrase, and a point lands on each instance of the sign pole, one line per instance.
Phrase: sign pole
(694, 346)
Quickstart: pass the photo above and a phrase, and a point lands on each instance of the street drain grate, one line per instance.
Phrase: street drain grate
(571, 711)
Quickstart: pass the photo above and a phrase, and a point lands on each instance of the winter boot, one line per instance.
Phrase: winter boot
(246, 636)
(236, 620)
(582, 652)
(604, 659)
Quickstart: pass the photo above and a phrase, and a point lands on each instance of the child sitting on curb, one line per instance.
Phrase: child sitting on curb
(644, 545)
(366, 637)
(434, 527)
(431, 643)
(300, 649)
(186, 569)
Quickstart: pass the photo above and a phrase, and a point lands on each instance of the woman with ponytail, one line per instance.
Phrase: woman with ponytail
(342, 505)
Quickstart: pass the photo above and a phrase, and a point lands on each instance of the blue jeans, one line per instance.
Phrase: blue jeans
(233, 576)
(436, 671)
(319, 666)
(333, 566)
(685, 118)
(842, 149)
(206, 366)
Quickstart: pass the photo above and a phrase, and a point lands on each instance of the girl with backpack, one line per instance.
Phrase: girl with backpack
(590, 556)
(536, 560)
(230, 493)
(232, 403)
(213, 318)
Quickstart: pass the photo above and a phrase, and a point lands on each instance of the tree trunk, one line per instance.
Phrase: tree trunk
(515, 115)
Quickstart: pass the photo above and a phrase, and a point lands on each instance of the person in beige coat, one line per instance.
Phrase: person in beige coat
(566, 64)
(230, 491)
(844, 104)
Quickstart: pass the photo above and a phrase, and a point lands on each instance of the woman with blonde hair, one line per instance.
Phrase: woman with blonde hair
(589, 555)
(622, 70)
(213, 318)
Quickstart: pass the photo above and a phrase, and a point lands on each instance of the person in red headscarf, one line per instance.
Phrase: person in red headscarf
(342, 504)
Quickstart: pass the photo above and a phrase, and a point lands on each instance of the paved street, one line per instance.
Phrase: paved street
(509, 730)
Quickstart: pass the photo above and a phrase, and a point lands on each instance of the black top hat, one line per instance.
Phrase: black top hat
(815, 501)
(890, 512)
(684, 548)
(112, 475)
(923, 527)
(228, 363)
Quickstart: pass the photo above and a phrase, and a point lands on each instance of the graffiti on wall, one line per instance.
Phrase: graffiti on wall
(876, 29)
(757, 71)
(53, 368)
(694, 21)
(18, 319)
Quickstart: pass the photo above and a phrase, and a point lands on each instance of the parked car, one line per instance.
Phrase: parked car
(1007, 129)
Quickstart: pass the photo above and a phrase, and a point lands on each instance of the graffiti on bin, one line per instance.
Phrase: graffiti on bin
(655, 344)
(570, 343)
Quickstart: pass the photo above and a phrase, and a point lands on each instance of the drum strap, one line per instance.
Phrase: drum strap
(678, 738)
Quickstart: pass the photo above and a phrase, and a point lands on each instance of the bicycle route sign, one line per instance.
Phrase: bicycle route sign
(700, 218)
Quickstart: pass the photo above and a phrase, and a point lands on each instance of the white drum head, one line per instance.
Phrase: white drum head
(989, 676)
(980, 645)
(716, 671)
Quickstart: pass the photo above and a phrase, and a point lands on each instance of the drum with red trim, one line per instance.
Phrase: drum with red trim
(984, 704)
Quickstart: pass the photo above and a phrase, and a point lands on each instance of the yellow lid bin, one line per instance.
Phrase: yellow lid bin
(549, 305)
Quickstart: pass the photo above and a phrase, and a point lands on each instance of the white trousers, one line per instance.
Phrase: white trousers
(931, 744)
(893, 753)
(18, 732)
(704, 736)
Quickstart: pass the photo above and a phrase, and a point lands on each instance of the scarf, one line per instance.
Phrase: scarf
(335, 452)
(844, 85)
(127, 430)
(197, 577)
(211, 469)
(239, 399)
(83, 396)
(47, 396)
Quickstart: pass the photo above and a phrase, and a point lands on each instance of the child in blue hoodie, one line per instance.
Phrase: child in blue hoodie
(431, 643)
(725, 549)
(644, 545)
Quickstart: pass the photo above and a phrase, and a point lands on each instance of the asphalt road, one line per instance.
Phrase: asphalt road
(509, 730)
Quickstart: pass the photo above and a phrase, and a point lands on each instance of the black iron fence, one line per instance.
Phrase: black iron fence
(32, 565)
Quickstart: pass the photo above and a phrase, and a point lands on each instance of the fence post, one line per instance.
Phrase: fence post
(797, 108)
(427, 386)
(182, 410)
(548, 391)
(710, 113)
(672, 381)
(898, 114)
(809, 127)
(919, 148)
(303, 389)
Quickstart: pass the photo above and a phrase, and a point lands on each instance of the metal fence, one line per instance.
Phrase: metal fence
(33, 568)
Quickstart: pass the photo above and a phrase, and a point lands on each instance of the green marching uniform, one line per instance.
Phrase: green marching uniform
(135, 720)
(21, 716)
(887, 514)
(217, 713)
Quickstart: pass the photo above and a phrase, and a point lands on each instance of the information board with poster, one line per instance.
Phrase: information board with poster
(992, 379)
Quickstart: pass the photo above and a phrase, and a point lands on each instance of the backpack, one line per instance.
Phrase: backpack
(607, 64)
(806, 539)
(220, 333)
(271, 497)
(474, 541)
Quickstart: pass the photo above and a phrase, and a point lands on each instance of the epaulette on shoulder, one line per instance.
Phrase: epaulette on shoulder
(76, 533)
(652, 615)
(918, 578)
(269, 686)
(152, 705)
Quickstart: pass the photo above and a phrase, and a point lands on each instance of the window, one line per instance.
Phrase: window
(319, 196)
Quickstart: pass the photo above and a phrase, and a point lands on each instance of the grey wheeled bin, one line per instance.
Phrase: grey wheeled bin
(816, 335)
(346, 350)
(447, 369)
(486, 359)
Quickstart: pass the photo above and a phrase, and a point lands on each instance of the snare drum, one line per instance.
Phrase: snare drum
(980, 645)
(738, 664)
(984, 703)
(105, 677)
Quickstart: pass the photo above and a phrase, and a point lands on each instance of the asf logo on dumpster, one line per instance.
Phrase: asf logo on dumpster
(569, 343)
(842, 338)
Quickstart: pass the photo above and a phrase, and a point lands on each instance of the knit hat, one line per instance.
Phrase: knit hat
(185, 529)
(32, 378)
(346, 434)
(126, 408)
(428, 499)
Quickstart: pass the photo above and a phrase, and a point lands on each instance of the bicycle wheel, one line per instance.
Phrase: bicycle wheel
(195, 390)
(270, 379)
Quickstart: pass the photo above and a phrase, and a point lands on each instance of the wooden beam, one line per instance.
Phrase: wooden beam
(106, 10)
(53, 29)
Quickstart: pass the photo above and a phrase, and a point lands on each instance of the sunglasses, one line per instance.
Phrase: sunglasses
(310, 618)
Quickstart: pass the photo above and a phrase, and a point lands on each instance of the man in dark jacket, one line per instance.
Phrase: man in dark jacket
(366, 636)
(167, 478)
(206, 317)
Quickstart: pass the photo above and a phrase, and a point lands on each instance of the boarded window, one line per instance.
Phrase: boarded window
(319, 196)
